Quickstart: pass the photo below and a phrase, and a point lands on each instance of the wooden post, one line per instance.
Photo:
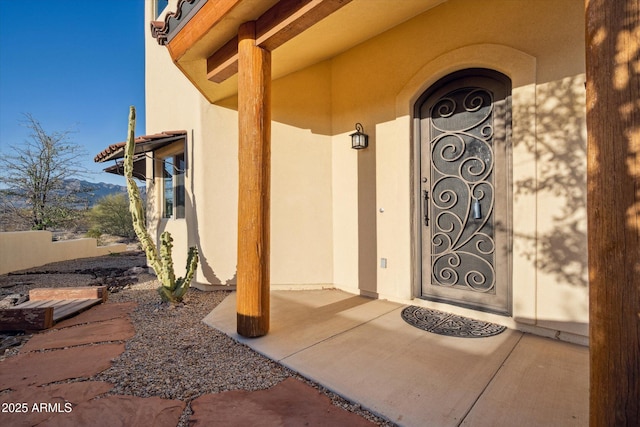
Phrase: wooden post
(613, 166)
(254, 116)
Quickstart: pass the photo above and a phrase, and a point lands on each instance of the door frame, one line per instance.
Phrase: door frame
(416, 188)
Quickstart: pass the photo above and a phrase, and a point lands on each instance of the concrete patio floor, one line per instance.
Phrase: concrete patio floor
(363, 350)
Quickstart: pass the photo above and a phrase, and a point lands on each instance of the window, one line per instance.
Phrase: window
(173, 186)
(160, 6)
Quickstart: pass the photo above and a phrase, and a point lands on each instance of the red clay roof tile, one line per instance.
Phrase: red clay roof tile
(116, 151)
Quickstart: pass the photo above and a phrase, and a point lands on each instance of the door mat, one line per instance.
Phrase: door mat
(449, 324)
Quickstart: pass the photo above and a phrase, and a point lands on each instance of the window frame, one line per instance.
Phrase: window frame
(175, 155)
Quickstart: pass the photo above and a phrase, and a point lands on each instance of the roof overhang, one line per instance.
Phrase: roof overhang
(143, 145)
(201, 36)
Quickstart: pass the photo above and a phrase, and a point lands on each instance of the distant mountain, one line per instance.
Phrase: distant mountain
(94, 191)
(88, 192)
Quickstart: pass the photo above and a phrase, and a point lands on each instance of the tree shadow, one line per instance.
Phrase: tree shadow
(559, 147)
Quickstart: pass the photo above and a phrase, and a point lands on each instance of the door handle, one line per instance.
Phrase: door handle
(426, 207)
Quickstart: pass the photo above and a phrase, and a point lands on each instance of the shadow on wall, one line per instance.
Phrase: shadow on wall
(560, 152)
(367, 217)
(193, 228)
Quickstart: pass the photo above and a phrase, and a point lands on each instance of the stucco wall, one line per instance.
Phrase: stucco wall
(540, 46)
(336, 211)
(171, 104)
(301, 190)
(25, 249)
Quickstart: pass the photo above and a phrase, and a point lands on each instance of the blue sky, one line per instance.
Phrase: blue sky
(73, 65)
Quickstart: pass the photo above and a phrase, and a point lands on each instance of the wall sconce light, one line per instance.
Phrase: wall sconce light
(359, 139)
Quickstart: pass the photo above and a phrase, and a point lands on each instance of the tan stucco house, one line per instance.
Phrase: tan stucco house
(471, 194)
(477, 184)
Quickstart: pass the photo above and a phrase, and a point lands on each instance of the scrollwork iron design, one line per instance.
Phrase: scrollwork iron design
(462, 174)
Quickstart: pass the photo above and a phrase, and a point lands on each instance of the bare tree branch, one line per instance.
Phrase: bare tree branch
(34, 175)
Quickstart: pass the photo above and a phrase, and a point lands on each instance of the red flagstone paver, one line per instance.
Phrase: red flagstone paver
(109, 330)
(99, 313)
(29, 411)
(289, 403)
(59, 365)
(121, 411)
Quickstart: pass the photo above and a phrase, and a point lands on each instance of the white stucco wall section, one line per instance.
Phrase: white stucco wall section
(215, 218)
(301, 198)
(394, 154)
(394, 214)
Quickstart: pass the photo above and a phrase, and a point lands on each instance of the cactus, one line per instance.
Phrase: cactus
(171, 289)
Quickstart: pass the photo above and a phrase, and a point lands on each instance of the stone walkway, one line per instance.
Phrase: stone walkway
(46, 384)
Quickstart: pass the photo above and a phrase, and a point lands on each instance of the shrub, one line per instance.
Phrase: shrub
(110, 215)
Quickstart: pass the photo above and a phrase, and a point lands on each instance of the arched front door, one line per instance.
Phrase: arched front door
(464, 190)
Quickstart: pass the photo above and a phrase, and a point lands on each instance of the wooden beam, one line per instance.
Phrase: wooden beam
(613, 209)
(99, 292)
(211, 13)
(288, 18)
(254, 158)
(285, 20)
(224, 62)
(26, 319)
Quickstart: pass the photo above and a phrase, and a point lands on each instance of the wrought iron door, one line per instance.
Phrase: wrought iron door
(464, 191)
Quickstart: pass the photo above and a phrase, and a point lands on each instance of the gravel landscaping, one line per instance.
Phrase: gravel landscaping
(173, 354)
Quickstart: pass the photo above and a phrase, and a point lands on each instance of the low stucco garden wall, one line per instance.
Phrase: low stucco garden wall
(26, 249)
